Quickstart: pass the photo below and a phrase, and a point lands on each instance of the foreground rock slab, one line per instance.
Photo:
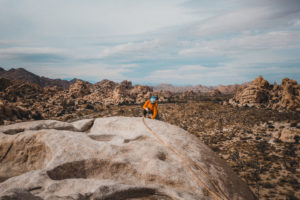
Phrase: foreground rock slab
(110, 158)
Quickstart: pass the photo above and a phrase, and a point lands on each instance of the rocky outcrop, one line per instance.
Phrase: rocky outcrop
(163, 96)
(4, 83)
(188, 95)
(110, 93)
(80, 99)
(289, 91)
(16, 113)
(228, 89)
(115, 158)
(20, 90)
(261, 94)
(215, 93)
(141, 93)
(79, 89)
(121, 93)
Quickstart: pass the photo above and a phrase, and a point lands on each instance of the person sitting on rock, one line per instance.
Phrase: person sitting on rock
(150, 107)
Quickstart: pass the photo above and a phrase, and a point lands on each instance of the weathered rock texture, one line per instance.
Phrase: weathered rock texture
(262, 94)
(261, 146)
(115, 158)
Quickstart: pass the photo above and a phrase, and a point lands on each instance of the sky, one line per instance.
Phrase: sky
(181, 42)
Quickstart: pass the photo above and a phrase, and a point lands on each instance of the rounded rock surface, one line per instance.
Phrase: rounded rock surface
(115, 158)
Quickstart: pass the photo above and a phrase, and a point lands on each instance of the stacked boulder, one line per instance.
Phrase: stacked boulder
(215, 93)
(289, 91)
(121, 93)
(262, 94)
(110, 93)
(140, 93)
(79, 89)
(188, 95)
(164, 96)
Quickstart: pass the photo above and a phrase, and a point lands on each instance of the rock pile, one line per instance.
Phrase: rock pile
(4, 83)
(215, 93)
(289, 91)
(262, 94)
(80, 99)
(188, 95)
(79, 89)
(109, 158)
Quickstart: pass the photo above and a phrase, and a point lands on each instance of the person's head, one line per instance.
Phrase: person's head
(152, 99)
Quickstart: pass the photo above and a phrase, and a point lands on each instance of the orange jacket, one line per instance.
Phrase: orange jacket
(152, 107)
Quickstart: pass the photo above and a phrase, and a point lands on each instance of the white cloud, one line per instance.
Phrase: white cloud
(245, 43)
(129, 66)
(12, 42)
(91, 72)
(227, 73)
(195, 74)
(248, 16)
(15, 51)
(91, 18)
(131, 47)
(31, 56)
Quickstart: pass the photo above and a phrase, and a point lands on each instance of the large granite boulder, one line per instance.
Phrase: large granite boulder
(261, 94)
(79, 89)
(289, 91)
(110, 158)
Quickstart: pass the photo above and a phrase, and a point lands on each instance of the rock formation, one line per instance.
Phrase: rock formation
(164, 96)
(289, 91)
(79, 89)
(109, 158)
(81, 98)
(228, 89)
(188, 95)
(4, 83)
(261, 94)
(215, 93)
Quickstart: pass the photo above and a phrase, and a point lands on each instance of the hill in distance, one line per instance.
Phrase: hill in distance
(21, 74)
(224, 89)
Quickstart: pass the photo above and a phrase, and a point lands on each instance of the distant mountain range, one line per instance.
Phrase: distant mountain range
(225, 89)
(21, 74)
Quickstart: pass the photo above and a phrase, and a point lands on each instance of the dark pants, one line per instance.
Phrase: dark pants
(150, 112)
(145, 112)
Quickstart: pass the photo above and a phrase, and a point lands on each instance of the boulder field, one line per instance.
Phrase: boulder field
(111, 158)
